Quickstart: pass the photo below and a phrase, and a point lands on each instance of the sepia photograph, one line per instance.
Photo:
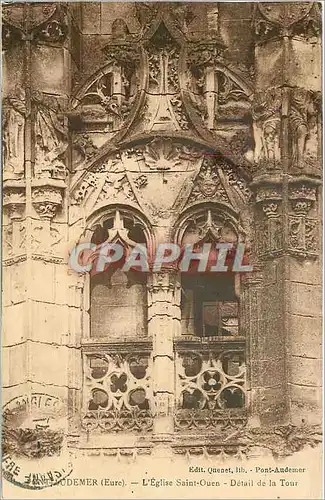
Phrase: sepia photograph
(161, 260)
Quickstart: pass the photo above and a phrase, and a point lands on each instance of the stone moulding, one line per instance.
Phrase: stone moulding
(248, 442)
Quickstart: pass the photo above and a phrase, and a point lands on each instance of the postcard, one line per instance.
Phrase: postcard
(161, 250)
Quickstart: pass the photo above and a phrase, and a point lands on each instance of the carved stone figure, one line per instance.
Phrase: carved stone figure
(51, 137)
(304, 110)
(14, 112)
(266, 108)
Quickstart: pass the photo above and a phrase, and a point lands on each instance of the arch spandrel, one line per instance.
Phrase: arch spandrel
(161, 177)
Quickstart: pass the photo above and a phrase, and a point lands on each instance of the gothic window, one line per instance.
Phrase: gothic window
(118, 300)
(117, 357)
(210, 352)
(118, 305)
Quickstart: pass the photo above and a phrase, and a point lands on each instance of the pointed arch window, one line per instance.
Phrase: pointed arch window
(210, 352)
(118, 394)
(118, 299)
(210, 302)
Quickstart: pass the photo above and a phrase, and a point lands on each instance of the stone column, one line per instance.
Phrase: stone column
(286, 110)
(164, 289)
(38, 342)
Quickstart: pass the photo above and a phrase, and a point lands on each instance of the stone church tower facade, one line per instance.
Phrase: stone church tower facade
(152, 123)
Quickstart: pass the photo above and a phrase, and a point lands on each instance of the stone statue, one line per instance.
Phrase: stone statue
(14, 112)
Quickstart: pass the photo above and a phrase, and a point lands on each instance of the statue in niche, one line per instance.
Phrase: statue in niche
(14, 111)
(270, 138)
(50, 137)
(304, 111)
(266, 115)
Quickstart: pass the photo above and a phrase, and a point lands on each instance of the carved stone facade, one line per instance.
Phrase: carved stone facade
(154, 123)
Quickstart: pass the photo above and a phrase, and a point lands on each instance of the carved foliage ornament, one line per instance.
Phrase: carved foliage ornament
(105, 184)
(161, 154)
(14, 200)
(46, 201)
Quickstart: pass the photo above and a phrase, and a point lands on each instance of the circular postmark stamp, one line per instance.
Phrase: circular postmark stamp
(33, 441)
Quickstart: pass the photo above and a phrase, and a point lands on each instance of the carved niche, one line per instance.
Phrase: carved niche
(304, 119)
(164, 103)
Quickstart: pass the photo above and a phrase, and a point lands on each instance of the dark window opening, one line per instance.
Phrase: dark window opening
(209, 306)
